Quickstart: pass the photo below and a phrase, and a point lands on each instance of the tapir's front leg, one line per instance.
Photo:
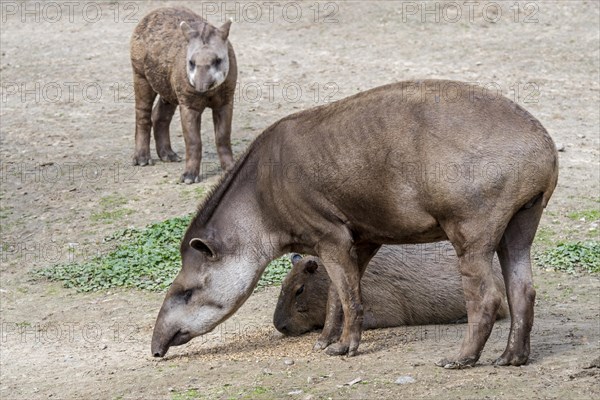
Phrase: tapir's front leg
(222, 119)
(190, 123)
(334, 321)
(345, 270)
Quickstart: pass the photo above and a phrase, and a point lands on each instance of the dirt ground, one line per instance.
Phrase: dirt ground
(66, 142)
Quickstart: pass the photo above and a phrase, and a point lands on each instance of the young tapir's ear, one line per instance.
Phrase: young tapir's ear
(311, 266)
(203, 247)
(188, 32)
(295, 257)
(225, 29)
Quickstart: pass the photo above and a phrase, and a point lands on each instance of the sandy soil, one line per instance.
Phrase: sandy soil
(66, 142)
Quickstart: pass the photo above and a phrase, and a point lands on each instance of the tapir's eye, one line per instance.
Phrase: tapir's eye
(299, 291)
(192, 64)
(187, 295)
(218, 61)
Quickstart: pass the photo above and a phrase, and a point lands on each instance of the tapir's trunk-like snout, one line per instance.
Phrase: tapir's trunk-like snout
(160, 337)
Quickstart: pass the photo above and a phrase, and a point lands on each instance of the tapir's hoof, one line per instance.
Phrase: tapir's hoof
(337, 349)
(457, 364)
(169, 156)
(320, 345)
(189, 178)
(142, 160)
(505, 360)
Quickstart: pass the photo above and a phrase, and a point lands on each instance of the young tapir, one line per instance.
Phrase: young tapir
(403, 285)
(180, 57)
(409, 162)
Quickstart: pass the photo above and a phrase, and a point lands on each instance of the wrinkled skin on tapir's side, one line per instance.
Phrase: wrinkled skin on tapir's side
(410, 162)
(403, 285)
(180, 57)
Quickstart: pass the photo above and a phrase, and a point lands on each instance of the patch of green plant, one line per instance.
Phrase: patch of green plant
(275, 272)
(147, 259)
(186, 395)
(587, 215)
(572, 256)
(110, 209)
(143, 258)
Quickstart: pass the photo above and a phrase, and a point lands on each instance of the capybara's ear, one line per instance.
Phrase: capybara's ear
(225, 29)
(188, 32)
(295, 257)
(311, 266)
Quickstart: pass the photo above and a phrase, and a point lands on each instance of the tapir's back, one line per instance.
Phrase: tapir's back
(395, 158)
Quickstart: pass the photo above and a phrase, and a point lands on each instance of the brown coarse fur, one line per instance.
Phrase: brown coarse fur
(189, 63)
(406, 163)
(402, 285)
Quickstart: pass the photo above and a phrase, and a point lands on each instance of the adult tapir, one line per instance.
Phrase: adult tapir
(409, 162)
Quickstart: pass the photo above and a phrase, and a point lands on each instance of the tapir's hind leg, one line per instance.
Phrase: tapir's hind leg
(144, 98)
(514, 254)
(475, 251)
(162, 114)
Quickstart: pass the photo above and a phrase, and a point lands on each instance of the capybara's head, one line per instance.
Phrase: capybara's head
(207, 60)
(302, 303)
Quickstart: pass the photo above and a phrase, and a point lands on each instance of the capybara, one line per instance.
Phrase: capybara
(403, 285)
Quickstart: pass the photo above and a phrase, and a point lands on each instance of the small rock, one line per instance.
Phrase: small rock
(171, 389)
(104, 347)
(560, 147)
(295, 392)
(403, 380)
(478, 63)
(581, 136)
(267, 371)
(288, 361)
(353, 381)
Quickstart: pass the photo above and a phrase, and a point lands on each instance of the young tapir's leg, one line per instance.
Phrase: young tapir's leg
(144, 98)
(514, 255)
(222, 120)
(345, 270)
(475, 253)
(190, 122)
(162, 114)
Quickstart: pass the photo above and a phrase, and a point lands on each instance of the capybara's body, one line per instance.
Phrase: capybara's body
(403, 285)
(180, 57)
(406, 163)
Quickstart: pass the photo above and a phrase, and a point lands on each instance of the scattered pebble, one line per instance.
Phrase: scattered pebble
(560, 147)
(288, 361)
(353, 382)
(104, 346)
(403, 380)
(267, 371)
(295, 392)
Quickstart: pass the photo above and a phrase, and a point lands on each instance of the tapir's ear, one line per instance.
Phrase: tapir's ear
(311, 266)
(225, 29)
(203, 246)
(295, 257)
(188, 32)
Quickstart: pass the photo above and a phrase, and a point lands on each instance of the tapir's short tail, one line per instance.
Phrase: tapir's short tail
(553, 181)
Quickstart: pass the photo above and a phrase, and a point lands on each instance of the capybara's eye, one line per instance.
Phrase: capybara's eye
(187, 295)
(192, 64)
(300, 290)
(218, 61)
